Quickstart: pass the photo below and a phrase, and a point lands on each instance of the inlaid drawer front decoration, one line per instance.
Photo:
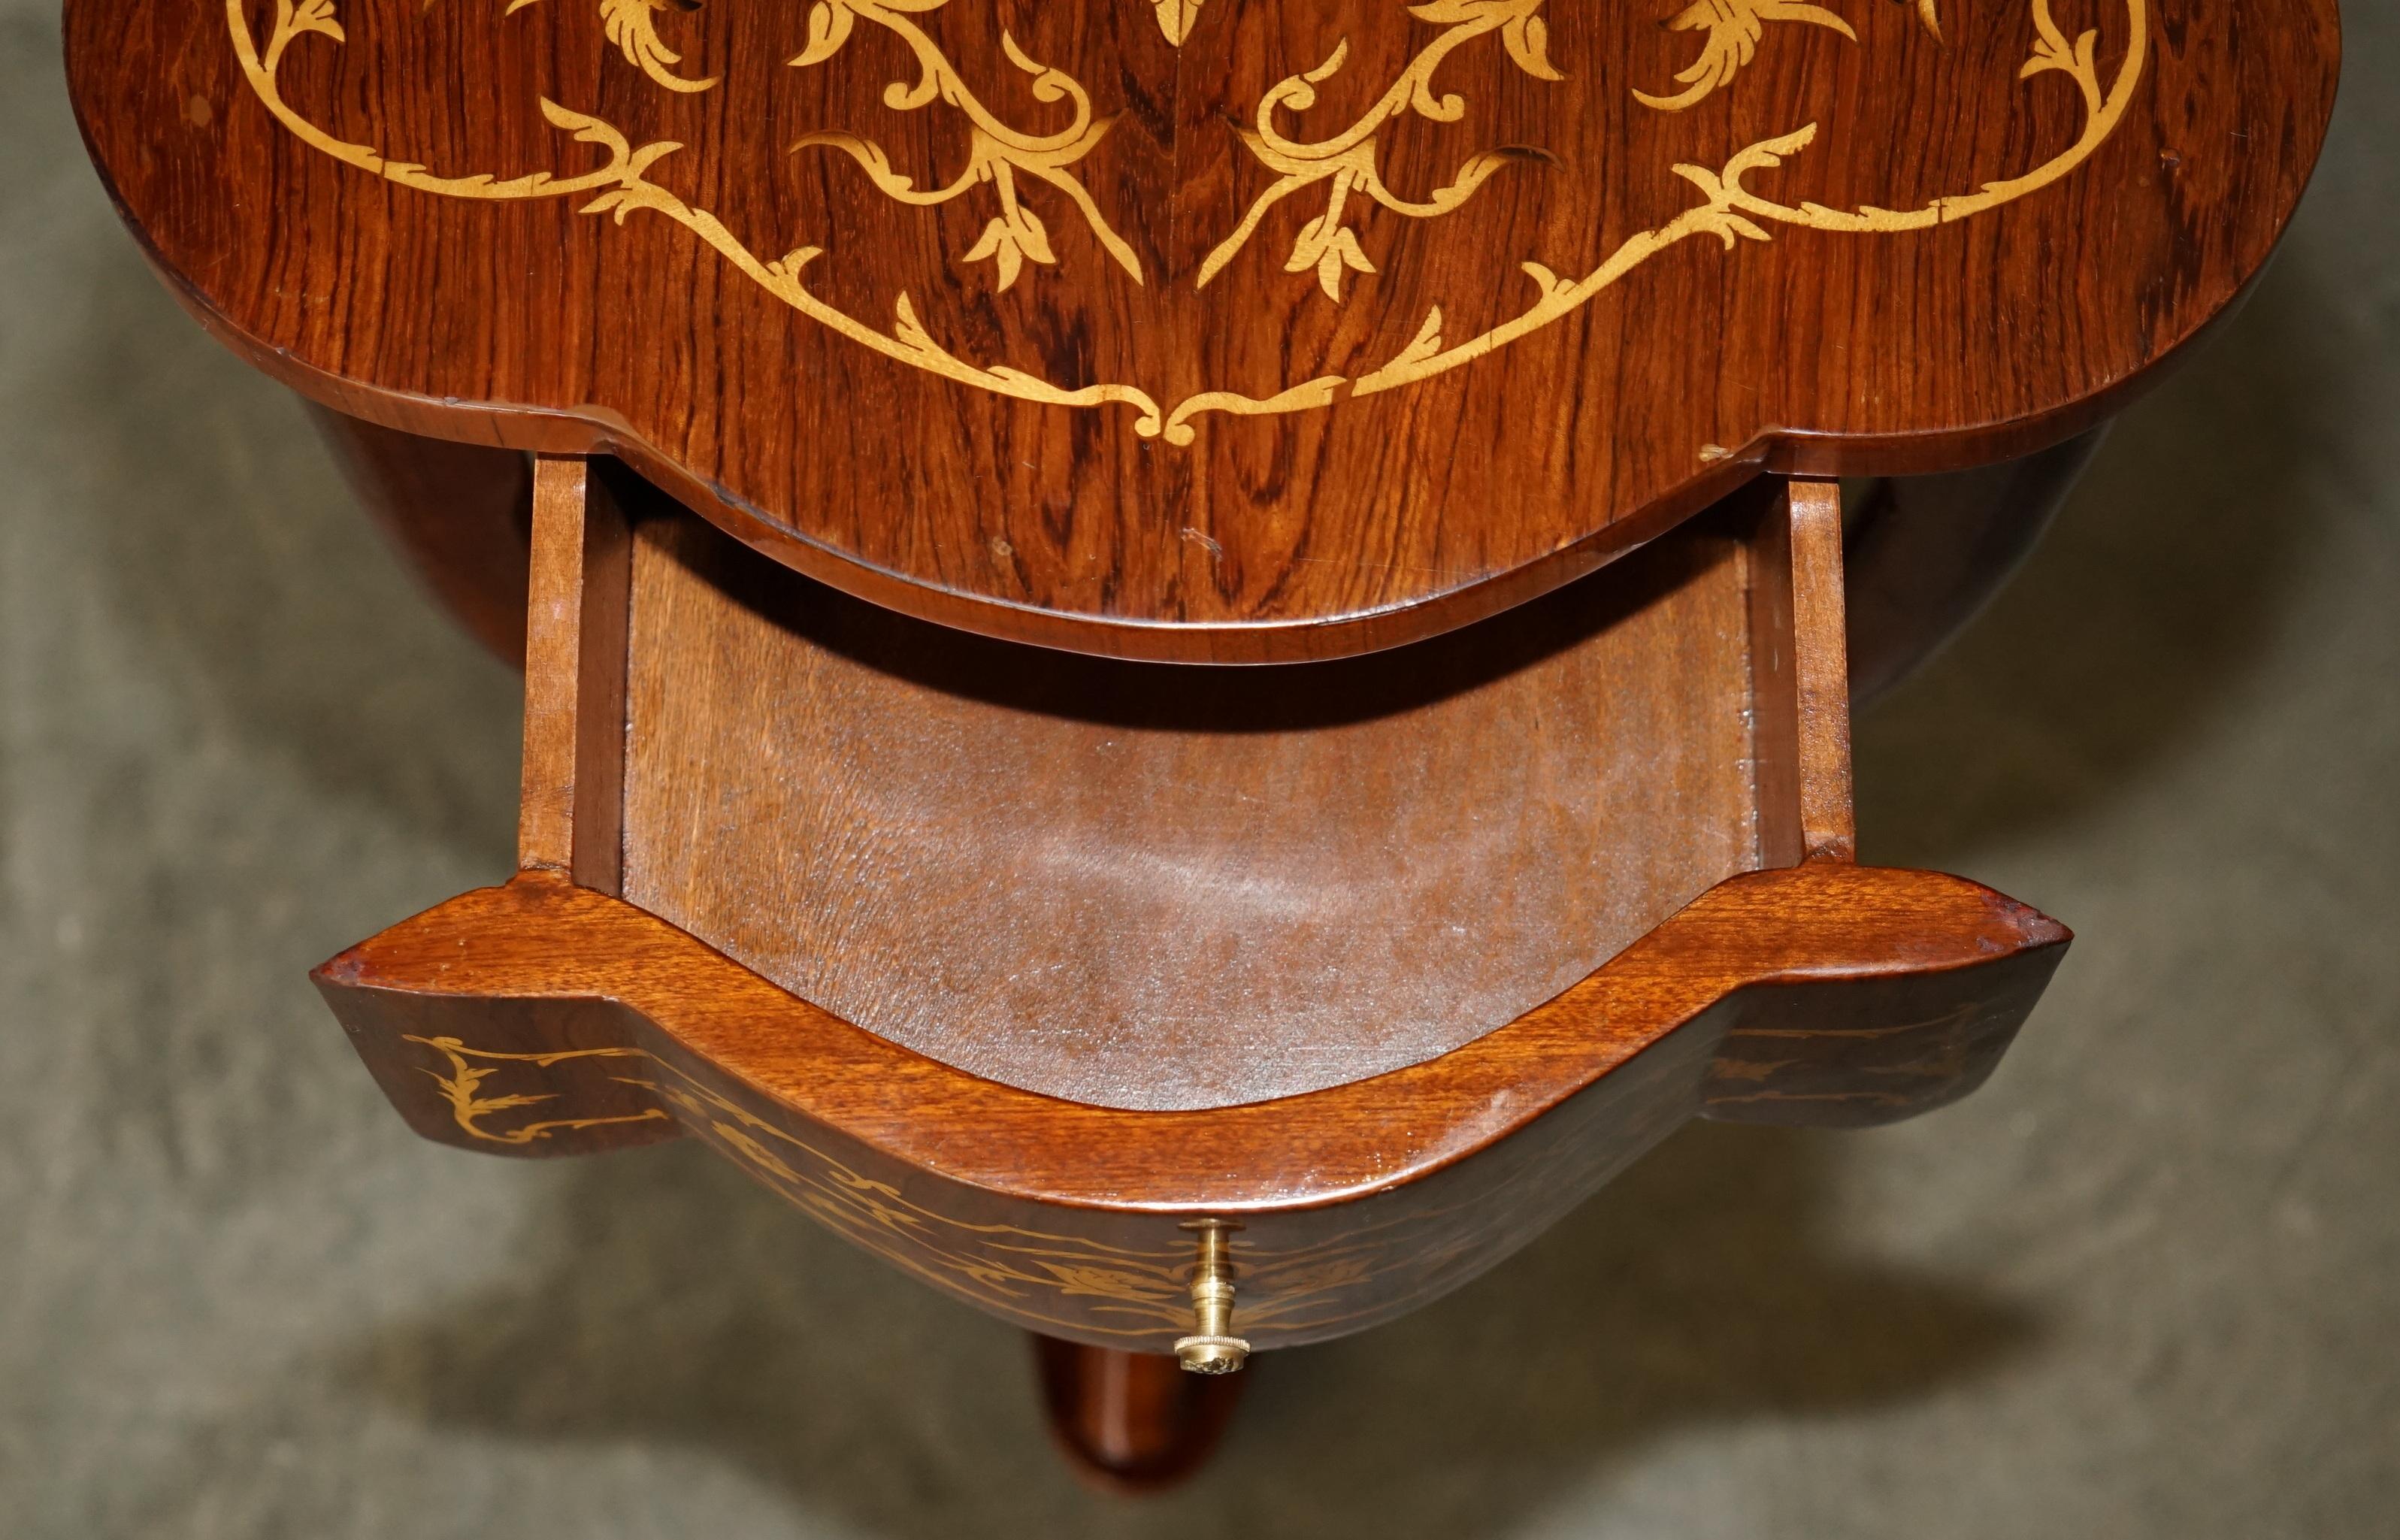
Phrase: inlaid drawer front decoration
(1042, 1278)
(1327, 164)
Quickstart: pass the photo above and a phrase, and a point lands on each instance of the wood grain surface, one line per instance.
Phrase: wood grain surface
(543, 1019)
(1131, 1422)
(1145, 885)
(571, 807)
(913, 299)
(460, 514)
(1925, 553)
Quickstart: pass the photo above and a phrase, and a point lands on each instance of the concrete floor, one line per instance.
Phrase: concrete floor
(2146, 1284)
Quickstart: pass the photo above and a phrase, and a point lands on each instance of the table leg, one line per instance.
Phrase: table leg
(1133, 1422)
(461, 514)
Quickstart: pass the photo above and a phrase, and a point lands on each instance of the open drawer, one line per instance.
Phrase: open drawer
(1037, 973)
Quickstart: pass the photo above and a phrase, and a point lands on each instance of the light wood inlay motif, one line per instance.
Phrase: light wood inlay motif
(1731, 212)
(633, 26)
(1734, 28)
(994, 1260)
(1175, 17)
(462, 1089)
(1021, 1273)
(1774, 999)
(1347, 159)
(997, 152)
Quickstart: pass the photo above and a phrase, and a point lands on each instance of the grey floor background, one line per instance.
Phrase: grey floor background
(2147, 1284)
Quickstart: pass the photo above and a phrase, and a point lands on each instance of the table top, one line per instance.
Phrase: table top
(1211, 330)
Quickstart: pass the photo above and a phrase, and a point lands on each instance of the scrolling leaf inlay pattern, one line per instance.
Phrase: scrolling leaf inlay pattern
(1347, 159)
(1734, 28)
(1032, 1275)
(462, 1089)
(1731, 212)
(633, 26)
(1175, 17)
(996, 153)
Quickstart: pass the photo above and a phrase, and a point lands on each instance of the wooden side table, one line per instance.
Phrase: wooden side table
(928, 401)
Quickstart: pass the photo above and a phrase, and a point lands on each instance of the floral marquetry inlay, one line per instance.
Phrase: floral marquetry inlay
(1038, 1277)
(998, 153)
(1045, 135)
(1345, 163)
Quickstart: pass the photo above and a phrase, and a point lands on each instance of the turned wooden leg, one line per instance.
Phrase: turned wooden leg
(1929, 551)
(461, 513)
(1133, 1422)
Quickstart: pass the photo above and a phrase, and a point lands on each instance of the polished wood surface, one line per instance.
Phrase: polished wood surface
(1921, 554)
(1142, 885)
(1926, 552)
(1155, 1008)
(1103, 327)
(570, 816)
(460, 514)
(1827, 992)
(548, 1017)
(1131, 1422)
(1820, 674)
(1799, 697)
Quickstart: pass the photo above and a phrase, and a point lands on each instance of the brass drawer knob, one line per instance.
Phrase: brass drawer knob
(1213, 1348)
